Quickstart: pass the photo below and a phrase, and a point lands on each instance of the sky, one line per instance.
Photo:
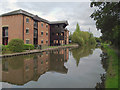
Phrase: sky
(73, 12)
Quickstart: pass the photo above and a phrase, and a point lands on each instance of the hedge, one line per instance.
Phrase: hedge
(4, 47)
(16, 45)
(28, 46)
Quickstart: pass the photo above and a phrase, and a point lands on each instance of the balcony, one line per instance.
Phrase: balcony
(35, 24)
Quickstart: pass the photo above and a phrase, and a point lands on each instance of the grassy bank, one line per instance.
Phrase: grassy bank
(112, 70)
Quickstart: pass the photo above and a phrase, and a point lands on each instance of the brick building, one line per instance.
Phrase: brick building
(32, 29)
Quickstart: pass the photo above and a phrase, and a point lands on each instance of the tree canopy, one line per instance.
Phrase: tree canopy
(107, 17)
(82, 37)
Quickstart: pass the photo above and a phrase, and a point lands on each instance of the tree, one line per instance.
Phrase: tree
(82, 37)
(107, 17)
(16, 45)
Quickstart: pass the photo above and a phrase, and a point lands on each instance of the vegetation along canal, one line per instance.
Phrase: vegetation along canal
(64, 68)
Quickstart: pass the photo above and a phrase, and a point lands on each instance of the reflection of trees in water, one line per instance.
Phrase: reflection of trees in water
(82, 52)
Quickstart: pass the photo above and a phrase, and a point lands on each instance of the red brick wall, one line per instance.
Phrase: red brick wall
(66, 36)
(14, 23)
(29, 25)
(43, 37)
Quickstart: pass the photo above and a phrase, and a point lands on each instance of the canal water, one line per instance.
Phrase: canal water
(64, 68)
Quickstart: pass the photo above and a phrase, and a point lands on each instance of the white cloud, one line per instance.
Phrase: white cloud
(73, 12)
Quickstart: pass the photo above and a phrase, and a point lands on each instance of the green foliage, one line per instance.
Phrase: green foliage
(82, 38)
(112, 70)
(107, 19)
(92, 40)
(98, 39)
(77, 39)
(28, 47)
(16, 45)
(4, 48)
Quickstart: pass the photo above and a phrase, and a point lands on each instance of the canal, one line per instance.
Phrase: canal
(64, 68)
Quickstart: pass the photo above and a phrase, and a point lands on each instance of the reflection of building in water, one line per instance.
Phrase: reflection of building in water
(57, 59)
(22, 69)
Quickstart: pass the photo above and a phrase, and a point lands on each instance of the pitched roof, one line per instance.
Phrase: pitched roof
(20, 11)
(58, 22)
(35, 17)
(40, 19)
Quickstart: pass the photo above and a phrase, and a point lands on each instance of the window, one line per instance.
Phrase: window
(61, 34)
(53, 33)
(27, 31)
(46, 60)
(35, 33)
(27, 20)
(46, 33)
(42, 33)
(27, 41)
(41, 41)
(41, 61)
(42, 24)
(57, 34)
(46, 41)
(5, 31)
(56, 41)
(35, 24)
(46, 26)
(51, 41)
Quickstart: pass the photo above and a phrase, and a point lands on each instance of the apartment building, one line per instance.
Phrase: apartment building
(31, 28)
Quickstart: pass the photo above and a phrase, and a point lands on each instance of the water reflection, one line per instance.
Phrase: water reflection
(63, 68)
(22, 69)
(82, 52)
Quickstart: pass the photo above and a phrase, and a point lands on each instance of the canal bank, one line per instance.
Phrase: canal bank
(37, 51)
(112, 79)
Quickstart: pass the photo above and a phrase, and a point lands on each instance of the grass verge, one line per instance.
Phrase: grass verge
(112, 71)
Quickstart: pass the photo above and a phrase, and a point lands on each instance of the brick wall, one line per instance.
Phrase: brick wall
(14, 24)
(66, 36)
(45, 30)
(30, 26)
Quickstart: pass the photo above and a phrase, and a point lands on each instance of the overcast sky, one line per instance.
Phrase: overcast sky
(73, 12)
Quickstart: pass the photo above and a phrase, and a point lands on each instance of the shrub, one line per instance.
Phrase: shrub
(4, 48)
(16, 45)
(28, 46)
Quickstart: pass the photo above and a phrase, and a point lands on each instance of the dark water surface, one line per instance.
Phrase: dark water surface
(63, 68)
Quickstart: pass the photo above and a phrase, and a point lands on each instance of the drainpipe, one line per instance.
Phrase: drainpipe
(23, 27)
